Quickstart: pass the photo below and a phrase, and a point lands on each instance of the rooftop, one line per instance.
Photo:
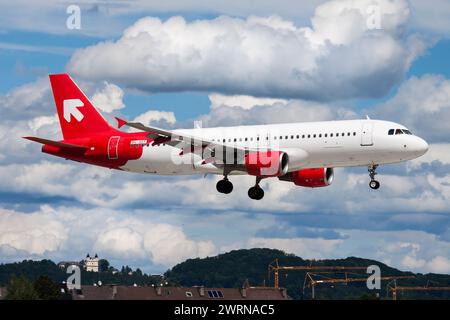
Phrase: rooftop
(113, 292)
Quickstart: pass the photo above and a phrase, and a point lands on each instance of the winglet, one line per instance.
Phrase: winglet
(367, 117)
(120, 122)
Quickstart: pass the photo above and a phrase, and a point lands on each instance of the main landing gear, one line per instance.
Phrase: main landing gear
(373, 184)
(224, 185)
(256, 192)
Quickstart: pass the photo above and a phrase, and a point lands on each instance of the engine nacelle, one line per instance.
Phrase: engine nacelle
(312, 178)
(267, 164)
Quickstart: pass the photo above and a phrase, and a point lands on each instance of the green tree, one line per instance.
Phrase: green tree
(47, 289)
(103, 265)
(20, 288)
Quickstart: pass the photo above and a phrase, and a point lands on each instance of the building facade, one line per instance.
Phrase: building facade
(92, 263)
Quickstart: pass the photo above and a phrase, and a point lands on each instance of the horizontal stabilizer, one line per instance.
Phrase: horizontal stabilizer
(58, 144)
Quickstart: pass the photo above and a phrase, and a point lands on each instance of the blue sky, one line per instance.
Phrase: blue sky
(312, 69)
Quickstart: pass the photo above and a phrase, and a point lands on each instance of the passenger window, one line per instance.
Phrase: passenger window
(337, 134)
(398, 131)
(391, 132)
(348, 134)
(354, 133)
(314, 135)
(292, 137)
(309, 136)
(281, 137)
(257, 139)
(303, 136)
(331, 135)
(298, 136)
(287, 137)
(320, 135)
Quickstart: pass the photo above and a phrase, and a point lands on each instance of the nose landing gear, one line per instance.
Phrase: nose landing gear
(373, 184)
(256, 192)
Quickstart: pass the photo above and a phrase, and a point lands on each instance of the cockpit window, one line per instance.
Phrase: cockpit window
(391, 132)
(407, 131)
(398, 131)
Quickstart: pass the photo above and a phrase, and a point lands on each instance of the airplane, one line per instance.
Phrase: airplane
(304, 154)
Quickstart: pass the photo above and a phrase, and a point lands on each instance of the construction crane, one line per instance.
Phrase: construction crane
(311, 282)
(394, 289)
(276, 268)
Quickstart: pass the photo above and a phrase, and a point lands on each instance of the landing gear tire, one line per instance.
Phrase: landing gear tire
(374, 184)
(224, 186)
(256, 193)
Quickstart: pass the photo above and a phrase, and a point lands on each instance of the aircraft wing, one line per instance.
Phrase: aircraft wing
(212, 150)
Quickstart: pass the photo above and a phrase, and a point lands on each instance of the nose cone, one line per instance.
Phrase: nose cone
(420, 146)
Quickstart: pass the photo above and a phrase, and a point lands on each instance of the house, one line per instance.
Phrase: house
(115, 292)
(92, 263)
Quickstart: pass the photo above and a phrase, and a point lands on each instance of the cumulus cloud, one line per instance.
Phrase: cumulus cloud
(35, 233)
(152, 116)
(421, 103)
(108, 98)
(276, 112)
(246, 102)
(28, 100)
(338, 57)
(52, 232)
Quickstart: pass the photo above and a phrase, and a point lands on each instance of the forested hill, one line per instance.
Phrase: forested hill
(32, 270)
(232, 269)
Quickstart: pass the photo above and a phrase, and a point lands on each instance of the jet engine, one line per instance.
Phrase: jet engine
(267, 164)
(312, 178)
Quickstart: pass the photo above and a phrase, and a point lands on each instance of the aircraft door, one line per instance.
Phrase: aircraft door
(113, 148)
(367, 133)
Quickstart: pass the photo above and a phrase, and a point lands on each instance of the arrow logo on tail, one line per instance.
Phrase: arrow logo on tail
(70, 107)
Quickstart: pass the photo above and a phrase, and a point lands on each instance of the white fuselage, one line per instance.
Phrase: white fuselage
(309, 145)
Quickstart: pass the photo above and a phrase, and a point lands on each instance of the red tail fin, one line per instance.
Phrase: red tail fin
(77, 116)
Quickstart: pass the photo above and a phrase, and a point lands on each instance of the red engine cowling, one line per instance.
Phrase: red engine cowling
(267, 164)
(312, 178)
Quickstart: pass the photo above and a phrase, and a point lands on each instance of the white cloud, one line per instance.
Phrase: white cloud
(28, 100)
(431, 16)
(437, 152)
(422, 104)
(35, 233)
(67, 232)
(246, 102)
(439, 264)
(277, 112)
(156, 116)
(108, 98)
(268, 57)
